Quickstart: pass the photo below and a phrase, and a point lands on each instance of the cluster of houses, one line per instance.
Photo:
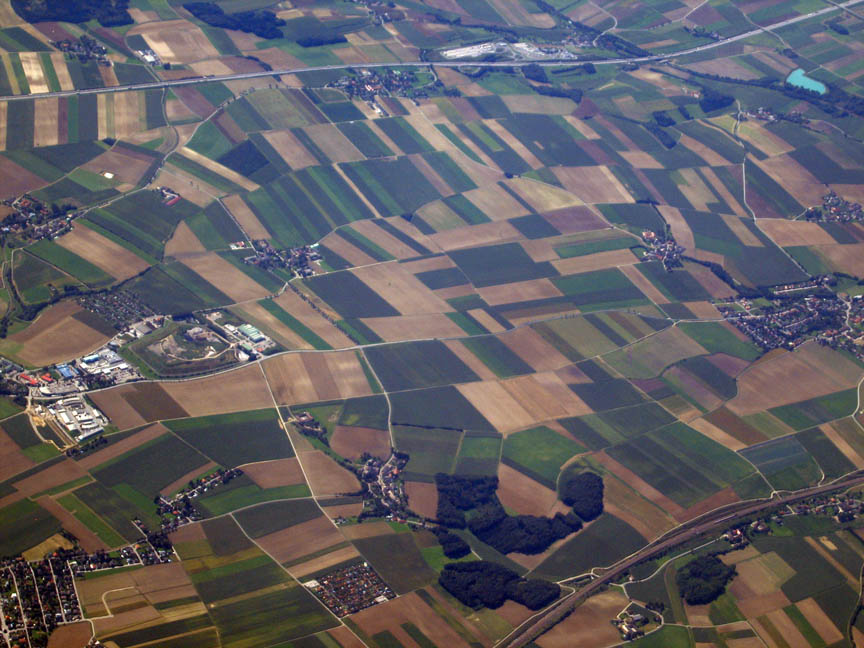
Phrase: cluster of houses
(298, 260)
(663, 249)
(791, 320)
(350, 589)
(84, 49)
(178, 510)
(32, 220)
(835, 209)
(120, 308)
(368, 84)
(35, 598)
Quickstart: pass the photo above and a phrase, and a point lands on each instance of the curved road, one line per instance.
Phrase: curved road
(712, 521)
(451, 64)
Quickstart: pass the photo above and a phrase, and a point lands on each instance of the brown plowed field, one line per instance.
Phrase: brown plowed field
(246, 217)
(638, 484)
(183, 242)
(519, 291)
(301, 539)
(57, 336)
(391, 615)
(325, 476)
(12, 460)
(810, 371)
(314, 565)
(74, 635)
(102, 252)
(495, 403)
(412, 327)
(236, 284)
(422, 498)
(352, 442)
(820, 621)
(292, 303)
(56, 475)
(534, 350)
(180, 482)
(522, 494)
(149, 433)
(401, 289)
(234, 391)
(276, 473)
(598, 261)
(588, 625)
(309, 377)
(86, 538)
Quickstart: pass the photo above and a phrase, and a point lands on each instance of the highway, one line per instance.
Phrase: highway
(450, 64)
(713, 521)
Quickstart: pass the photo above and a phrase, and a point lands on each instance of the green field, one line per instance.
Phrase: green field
(539, 453)
(235, 439)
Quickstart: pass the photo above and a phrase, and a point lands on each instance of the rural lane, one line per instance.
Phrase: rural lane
(712, 521)
(452, 64)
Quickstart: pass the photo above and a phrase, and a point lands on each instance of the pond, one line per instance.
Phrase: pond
(801, 80)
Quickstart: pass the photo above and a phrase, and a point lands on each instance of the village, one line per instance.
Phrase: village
(350, 589)
(835, 209)
(662, 248)
(383, 492)
(298, 260)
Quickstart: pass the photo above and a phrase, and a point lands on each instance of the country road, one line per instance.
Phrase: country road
(451, 64)
(712, 521)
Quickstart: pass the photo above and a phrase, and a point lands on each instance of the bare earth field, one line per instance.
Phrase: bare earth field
(276, 473)
(301, 539)
(57, 336)
(588, 626)
(809, 371)
(234, 391)
(102, 252)
(352, 442)
(325, 476)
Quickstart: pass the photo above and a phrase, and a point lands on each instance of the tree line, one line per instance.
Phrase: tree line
(488, 584)
(109, 13)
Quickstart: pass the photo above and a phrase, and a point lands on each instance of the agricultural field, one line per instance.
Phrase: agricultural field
(504, 325)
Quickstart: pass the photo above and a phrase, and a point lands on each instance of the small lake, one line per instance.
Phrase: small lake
(801, 80)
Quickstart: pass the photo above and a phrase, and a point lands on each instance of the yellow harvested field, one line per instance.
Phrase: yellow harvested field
(215, 167)
(246, 217)
(345, 249)
(642, 514)
(323, 562)
(102, 252)
(384, 239)
(786, 233)
(333, 143)
(405, 292)
(220, 273)
(820, 621)
(486, 233)
(539, 104)
(495, 202)
(696, 192)
(290, 148)
(45, 123)
(234, 391)
(34, 72)
(517, 403)
(128, 112)
(593, 184)
(763, 139)
(716, 434)
(541, 196)
(597, 261)
(809, 371)
(519, 291)
(529, 345)
(176, 41)
(300, 309)
(711, 157)
(486, 320)
(724, 193)
(411, 327)
(309, 377)
(507, 137)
